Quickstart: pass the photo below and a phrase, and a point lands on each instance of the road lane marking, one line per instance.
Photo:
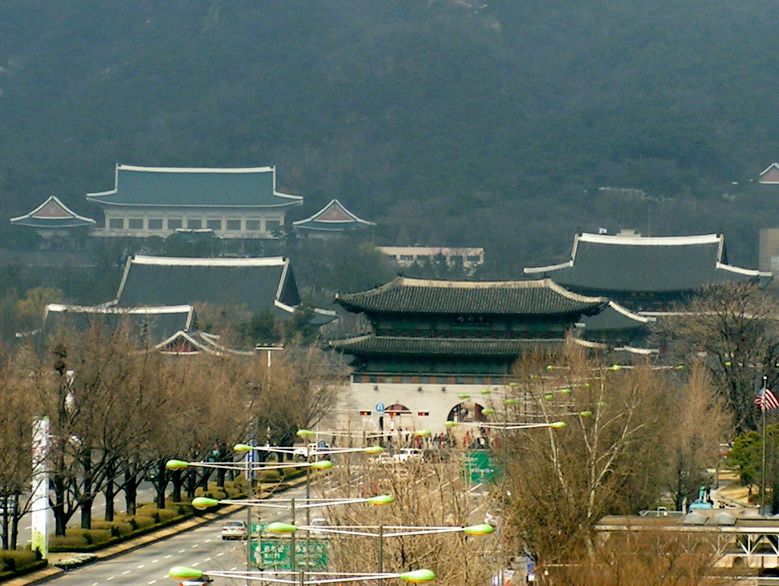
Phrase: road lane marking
(196, 564)
(207, 559)
(221, 554)
(152, 582)
(194, 545)
(125, 572)
(167, 557)
(154, 561)
(141, 566)
(180, 551)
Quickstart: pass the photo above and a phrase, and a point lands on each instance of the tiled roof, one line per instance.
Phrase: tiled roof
(334, 217)
(606, 263)
(399, 346)
(157, 322)
(253, 187)
(183, 343)
(52, 213)
(261, 284)
(539, 297)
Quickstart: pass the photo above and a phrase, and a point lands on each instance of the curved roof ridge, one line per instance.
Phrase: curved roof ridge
(743, 271)
(264, 261)
(194, 169)
(650, 240)
(146, 309)
(630, 314)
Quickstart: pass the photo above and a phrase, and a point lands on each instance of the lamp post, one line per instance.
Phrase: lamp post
(380, 532)
(306, 434)
(249, 470)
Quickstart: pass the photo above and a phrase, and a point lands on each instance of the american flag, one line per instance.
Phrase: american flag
(766, 400)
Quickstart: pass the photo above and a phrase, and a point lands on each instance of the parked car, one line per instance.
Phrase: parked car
(407, 455)
(234, 530)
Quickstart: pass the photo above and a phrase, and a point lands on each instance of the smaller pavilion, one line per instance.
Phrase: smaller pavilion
(333, 219)
(53, 218)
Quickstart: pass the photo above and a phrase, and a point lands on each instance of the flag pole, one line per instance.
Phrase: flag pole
(762, 478)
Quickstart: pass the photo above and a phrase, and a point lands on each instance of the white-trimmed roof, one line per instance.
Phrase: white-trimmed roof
(334, 202)
(55, 199)
(771, 167)
(174, 261)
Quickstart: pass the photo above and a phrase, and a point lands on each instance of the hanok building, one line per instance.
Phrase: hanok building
(259, 284)
(432, 340)
(53, 218)
(332, 220)
(157, 201)
(646, 273)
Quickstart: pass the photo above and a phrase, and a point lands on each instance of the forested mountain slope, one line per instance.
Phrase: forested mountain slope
(447, 122)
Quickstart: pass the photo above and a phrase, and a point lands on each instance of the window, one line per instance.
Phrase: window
(136, 223)
(116, 223)
(214, 224)
(253, 225)
(407, 257)
(272, 225)
(423, 257)
(174, 223)
(155, 223)
(474, 258)
(234, 225)
(195, 224)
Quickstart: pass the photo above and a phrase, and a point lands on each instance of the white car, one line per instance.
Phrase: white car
(407, 455)
(234, 530)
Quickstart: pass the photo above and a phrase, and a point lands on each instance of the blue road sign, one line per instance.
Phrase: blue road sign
(379, 408)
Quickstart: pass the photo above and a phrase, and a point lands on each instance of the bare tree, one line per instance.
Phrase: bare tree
(735, 328)
(562, 481)
(700, 421)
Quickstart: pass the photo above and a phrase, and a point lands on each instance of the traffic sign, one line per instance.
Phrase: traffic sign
(322, 444)
(380, 408)
(480, 467)
(274, 554)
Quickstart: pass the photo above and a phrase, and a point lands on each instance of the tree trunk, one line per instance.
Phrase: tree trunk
(177, 480)
(109, 493)
(87, 496)
(58, 507)
(161, 483)
(15, 522)
(130, 490)
(85, 504)
(4, 522)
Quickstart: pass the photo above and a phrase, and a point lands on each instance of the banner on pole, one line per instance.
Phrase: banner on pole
(40, 487)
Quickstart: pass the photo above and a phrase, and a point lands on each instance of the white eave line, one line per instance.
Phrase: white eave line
(767, 169)
(743, 271)
(548, 268)
(283, 306)
(627, 313)
(195, 169)
(334, 202)
(113, 310)
(651, 240)
(270, 261)
(31, 214)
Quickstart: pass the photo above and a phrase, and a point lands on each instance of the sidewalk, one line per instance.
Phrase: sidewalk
(731, 493)
(131, 544)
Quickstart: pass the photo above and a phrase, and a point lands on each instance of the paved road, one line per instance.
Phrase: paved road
(201, 547)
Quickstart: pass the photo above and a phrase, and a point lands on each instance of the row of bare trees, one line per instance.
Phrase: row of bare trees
(118, 410)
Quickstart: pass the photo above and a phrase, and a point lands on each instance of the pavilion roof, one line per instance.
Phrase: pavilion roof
(423, 296)
(261, 284)
(334, 217)
(371, 344)
(158, 322)
(52, 214)
(188, 343)
(607, 263)
(250, 187)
